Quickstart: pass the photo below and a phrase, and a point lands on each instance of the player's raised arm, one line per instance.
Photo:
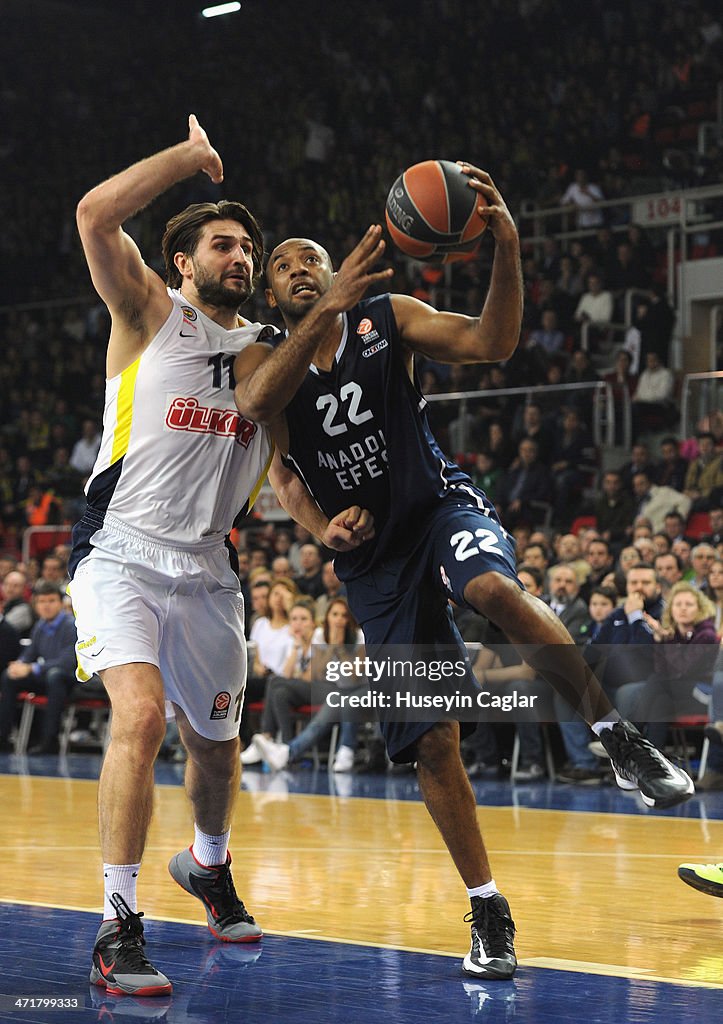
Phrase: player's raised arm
(493, 335)
(120, 276)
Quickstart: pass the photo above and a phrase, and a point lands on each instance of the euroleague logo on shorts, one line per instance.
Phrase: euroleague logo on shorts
(221, 704)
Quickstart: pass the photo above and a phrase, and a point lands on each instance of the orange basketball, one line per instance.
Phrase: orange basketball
(432, 212)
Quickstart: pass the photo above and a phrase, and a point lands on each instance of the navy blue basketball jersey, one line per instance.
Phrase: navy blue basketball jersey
(358, 435)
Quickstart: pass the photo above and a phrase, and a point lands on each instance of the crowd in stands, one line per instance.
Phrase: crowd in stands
(630, 584)
(625, 584)
(352, 96)
(314, 151)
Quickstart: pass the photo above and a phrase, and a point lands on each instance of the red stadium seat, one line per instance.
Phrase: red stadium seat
(30, 701)
(698, 525)
(583, 523)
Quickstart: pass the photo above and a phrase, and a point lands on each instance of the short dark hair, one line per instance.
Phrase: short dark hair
(184, 230)
(44, 587)
(535, 573)
(643, 565)
(610, 593)
(669, 554)
(538, 544)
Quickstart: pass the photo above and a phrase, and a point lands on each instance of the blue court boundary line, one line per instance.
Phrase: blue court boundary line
(531, 963)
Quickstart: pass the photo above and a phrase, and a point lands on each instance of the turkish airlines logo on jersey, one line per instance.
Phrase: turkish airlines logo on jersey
(188, 414)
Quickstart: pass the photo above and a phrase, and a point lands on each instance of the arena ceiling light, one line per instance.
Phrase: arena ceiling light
(217, 9)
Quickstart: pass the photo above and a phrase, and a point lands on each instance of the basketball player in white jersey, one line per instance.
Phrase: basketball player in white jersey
(158, 605)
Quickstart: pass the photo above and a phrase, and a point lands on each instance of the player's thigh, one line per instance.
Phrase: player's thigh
(203, 660)
(118, 616)
(468, 544)
(386, 602)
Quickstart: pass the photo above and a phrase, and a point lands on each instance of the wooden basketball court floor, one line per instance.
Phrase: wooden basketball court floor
(362, 908)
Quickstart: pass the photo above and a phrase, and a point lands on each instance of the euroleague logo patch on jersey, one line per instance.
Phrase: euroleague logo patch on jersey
(188, 414)
(189, 313)
(221, 704)
(367, 331)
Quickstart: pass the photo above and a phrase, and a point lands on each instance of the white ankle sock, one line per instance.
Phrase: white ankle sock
(485, 891)
(606, 723)
(210, 850)
(120, 878)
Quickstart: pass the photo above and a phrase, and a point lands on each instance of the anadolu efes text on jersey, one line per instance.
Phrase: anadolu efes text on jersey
(358, 435)
(177, 461)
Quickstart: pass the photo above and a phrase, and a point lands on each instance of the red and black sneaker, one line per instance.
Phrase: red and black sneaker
(119, 964)
(228, 919)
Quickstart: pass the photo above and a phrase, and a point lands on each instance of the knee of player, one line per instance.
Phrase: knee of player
(141, 725)
(218, 757)
(493, 595)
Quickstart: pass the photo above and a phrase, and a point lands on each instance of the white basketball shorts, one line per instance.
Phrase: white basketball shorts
(180, 609)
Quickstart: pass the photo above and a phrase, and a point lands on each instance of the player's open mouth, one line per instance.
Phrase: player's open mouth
(300, 289)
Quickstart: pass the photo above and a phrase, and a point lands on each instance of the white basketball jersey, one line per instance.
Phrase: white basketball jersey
(177, 460)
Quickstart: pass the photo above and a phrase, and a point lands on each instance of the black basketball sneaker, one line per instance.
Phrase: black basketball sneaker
(119, 964)
(492, 955)
(228, 919)
(640, 765)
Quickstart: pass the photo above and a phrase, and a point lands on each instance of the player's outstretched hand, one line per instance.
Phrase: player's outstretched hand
(211, 165)
(349, 529)
(356, 274)
(500, 219)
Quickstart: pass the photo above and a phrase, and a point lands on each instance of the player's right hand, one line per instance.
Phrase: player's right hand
(212, 165)
(355, 275)
(349, 529)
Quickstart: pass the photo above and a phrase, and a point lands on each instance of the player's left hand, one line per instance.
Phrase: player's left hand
(356, 274)
(349, 529)
(498, 216)
(210, 161)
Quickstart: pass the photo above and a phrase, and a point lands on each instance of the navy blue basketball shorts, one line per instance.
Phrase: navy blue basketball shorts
(402, 605)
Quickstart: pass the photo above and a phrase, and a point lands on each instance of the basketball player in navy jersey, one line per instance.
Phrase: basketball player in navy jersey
(343, 401)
